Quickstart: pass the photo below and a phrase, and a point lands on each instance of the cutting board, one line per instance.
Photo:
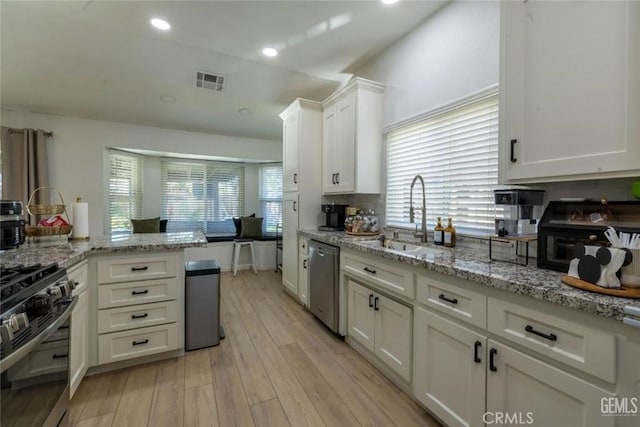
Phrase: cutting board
(581, 284)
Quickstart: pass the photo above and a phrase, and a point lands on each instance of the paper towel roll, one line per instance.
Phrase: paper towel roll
(80, 220)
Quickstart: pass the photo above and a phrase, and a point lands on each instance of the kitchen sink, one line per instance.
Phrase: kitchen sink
(400, 248)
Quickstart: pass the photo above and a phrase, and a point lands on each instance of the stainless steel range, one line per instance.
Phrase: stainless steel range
(35, 307)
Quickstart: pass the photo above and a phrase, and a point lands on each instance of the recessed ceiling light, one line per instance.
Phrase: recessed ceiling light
(270, 51)
(167, 98)
(244, 111)
(389, 1)
(160, 24)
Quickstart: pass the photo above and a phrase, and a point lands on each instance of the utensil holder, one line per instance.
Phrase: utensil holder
(631, 273)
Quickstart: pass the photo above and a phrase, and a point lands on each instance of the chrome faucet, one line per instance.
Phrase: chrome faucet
(423, 234)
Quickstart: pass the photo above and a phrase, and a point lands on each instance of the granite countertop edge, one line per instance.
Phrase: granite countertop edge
(463, 263)
(69, 253)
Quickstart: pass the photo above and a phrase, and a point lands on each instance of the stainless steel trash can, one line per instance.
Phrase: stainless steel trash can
(202, 305)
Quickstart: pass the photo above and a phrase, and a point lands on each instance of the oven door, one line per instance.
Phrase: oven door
(35, 378)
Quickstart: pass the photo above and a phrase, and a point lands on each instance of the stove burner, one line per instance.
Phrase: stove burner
(14, 280)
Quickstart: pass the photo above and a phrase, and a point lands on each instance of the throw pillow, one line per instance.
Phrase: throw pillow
(251, 228)
(238, 223)
(148, 225)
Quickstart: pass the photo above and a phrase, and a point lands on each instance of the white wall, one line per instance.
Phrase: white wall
(453, 54)
(76, 154)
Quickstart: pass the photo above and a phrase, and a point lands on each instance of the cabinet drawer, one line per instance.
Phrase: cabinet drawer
(141, 268)
(121, 294)
(392, 278)
(137, 316)
(48, 358)
(584, 348)
(453, 300)
(138, 342)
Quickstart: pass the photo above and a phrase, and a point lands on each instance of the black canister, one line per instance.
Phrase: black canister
(11, 224)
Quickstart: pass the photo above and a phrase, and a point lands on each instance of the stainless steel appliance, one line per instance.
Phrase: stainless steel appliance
(324, 265)
(566, 223)
(335, 216)
(202, 305)
(11, 224)
(517, 211)
(35, 311)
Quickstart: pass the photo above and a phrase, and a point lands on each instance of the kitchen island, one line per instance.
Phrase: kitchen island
(467, 336)
(130, 296)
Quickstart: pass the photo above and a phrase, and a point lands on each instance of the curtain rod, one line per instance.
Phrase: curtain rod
(47, 134)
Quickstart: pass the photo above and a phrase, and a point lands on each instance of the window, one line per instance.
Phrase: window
(125, 190)
(456, 152)
(271, 196)
(201, 196)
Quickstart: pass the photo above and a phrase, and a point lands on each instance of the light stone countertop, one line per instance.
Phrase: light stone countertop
(66, 253)
(472, 263)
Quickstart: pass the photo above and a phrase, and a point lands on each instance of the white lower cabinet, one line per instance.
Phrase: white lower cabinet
(381, 325)
(449, 369)
(303, 280)
(456, 369)
(140, 316)
(79, 353)
(520, 385)
(79, 329)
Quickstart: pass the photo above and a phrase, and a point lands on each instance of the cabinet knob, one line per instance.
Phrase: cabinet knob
(593, 237)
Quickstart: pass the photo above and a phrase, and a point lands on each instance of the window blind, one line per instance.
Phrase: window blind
(125, 190)
(456, 152)
(201, 196)
(270, 195)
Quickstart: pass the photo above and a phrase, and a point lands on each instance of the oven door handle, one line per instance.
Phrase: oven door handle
(14, 357)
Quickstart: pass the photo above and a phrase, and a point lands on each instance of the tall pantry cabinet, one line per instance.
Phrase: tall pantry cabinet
(302, 151)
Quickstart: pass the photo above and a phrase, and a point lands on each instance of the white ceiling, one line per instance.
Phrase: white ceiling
(102, 59)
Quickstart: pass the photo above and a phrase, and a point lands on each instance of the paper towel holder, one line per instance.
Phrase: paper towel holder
(77, 238)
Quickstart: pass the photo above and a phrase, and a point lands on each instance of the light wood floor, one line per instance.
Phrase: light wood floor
(278, 366)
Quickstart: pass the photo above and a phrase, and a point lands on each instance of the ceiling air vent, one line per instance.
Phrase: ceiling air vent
(210, 81)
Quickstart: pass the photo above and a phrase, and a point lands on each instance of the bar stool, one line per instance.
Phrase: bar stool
(237, 246)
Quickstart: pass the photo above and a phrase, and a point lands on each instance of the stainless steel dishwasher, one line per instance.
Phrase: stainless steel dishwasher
(324, 266)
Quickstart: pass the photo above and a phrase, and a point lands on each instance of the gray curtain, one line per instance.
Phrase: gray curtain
(24, 164)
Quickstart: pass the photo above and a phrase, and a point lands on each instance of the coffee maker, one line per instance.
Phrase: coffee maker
(336, 214)
(518, 211)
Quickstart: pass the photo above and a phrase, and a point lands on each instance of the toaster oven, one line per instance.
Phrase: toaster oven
(564, 224)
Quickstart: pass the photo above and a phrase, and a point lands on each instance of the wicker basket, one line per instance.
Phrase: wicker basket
(40, 230)
(45, 209)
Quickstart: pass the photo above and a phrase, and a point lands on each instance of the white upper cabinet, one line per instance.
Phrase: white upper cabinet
(300, 130)
(352, 139)
(570, 90)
